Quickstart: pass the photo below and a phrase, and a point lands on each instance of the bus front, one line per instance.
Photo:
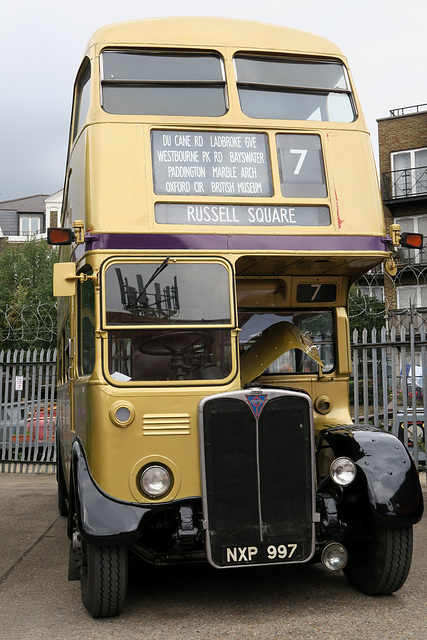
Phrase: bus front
(220, 200)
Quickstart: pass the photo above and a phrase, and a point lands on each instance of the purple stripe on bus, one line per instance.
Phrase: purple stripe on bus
(206, 242)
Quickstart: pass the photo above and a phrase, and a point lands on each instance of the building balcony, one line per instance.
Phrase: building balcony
(408, 111)
(404, 185)
(410, 258)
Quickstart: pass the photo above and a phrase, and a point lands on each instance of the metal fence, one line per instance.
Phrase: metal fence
(387, 389)
(389, 384)
(27, 410)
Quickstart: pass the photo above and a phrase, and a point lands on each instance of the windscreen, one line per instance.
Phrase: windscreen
(168, 321)
(167, 293)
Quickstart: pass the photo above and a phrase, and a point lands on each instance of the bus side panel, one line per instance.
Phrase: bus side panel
(356, 192)
(118, 171)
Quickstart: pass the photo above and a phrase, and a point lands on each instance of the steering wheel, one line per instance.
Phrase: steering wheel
(174, 344)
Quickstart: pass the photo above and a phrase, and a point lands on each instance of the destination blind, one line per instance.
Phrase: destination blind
(209, 163)
(242, 215)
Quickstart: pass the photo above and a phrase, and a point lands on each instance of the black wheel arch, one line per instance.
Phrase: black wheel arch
(101, 519)
(387, 480)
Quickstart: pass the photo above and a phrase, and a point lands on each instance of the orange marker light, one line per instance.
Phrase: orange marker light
(58, 235)
(411, 240)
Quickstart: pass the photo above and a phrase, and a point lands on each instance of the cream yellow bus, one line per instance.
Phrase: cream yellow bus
(220, 199)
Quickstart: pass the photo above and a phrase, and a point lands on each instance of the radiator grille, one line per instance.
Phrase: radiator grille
(258, 474)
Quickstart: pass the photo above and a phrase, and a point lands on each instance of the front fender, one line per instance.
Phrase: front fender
(100, 517)
(391, 478)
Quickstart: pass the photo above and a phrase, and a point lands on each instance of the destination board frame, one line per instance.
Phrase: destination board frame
(211, 163)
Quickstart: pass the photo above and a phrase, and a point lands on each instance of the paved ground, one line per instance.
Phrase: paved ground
(37, 602)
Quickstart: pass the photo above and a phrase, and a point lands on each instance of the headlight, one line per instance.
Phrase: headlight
(342, 471)
(334, 556)
(155, 481)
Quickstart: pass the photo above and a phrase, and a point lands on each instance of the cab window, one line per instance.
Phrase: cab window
(317, 325)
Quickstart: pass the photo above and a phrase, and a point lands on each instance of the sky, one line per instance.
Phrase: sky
(42, 44)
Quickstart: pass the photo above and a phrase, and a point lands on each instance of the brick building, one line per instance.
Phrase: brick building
(402, 141)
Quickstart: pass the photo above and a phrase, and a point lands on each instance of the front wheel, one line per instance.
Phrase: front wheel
(104, 579)
(379, 562)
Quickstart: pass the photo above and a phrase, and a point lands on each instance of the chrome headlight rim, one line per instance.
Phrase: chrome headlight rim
(342, 471)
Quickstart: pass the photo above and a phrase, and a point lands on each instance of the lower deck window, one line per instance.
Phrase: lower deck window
(164, 355)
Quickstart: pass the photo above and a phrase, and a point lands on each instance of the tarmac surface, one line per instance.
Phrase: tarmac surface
(305, 602)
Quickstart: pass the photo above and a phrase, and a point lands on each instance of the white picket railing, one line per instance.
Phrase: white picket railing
(27, 410)
(387, 389)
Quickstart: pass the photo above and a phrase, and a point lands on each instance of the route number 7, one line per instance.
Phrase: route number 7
(302, 153)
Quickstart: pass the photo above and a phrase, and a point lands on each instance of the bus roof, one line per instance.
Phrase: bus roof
(213, 32)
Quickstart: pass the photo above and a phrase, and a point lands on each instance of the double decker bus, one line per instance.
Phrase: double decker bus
(220, 199)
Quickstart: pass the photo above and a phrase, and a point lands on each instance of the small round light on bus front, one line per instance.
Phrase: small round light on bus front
(323, 404)
(334, 556)
(122, 413)
(342, 471)
(155, 481)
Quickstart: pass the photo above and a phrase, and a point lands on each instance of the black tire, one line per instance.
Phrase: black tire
(379, 563)
(62, 497)
(62, 489)
(104, 579)
(73, 564)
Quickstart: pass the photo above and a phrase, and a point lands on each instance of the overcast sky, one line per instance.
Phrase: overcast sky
(42, 44)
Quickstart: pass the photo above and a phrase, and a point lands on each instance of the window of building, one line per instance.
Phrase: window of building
(172, 83)
(413, 224)
(53, 218)
(414, 296)
(373, 291)
(29, 225)
(410, 173)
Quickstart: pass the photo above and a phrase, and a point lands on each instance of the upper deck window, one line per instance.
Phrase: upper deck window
(171, 83)
(294, 90)
(82, 99)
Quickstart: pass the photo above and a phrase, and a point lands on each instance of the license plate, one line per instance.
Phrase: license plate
(263, 553)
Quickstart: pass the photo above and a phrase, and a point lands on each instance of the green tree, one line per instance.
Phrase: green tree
(27, 305)
(366, 312)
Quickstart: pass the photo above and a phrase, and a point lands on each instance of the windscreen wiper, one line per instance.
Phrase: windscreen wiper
(157, 272)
